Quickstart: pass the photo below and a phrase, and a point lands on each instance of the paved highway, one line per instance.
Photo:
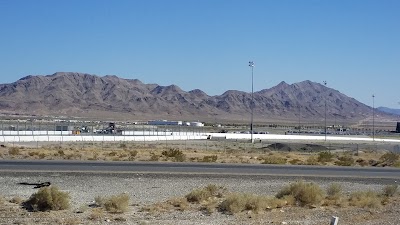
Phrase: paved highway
(196, 168)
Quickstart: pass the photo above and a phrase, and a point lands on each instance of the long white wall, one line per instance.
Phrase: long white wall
(298, 137)
(34, 132)
(96, 138)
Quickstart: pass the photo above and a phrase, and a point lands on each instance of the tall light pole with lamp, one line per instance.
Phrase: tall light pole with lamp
(325, 110)
(251, 64)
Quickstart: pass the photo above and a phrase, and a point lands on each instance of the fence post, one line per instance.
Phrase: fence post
(334, 220)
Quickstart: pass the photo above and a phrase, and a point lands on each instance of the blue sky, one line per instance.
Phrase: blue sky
(206, 44)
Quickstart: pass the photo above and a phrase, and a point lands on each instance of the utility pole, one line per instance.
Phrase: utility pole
(251, 64)
(325, 112)
(373, 117)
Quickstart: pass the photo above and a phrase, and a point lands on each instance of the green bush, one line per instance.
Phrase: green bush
(303, 193)
(48, 198)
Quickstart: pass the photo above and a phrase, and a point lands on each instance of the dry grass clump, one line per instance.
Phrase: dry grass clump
(390, 158)
(48, 198)
(334, 191)
(174, 153)
(114, 204)
(365, 199)
(158, 207)
(390, 190)
(180, 204)
(274, 160)
(303, 193)
(239, 202)
(210, 158)
(312, 160)
(14, 151)
(334, 195)
(203, 194)
(346, 160)
(96, 214)
(324, 157)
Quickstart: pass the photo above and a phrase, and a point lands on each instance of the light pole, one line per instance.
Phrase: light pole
(251, 64)
(373, 117)
(325, 111)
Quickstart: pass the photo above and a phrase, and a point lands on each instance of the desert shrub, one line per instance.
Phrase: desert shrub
(48, 198)
(158, 207)
(211, 190)
(390, 158)
(397, 164)
(303, 193)
(325, 157)
(365, 199)
(210, 158)
(122, 145)
(61, 152)
(115, 203)
(96, 214)
(296, 162)
(180, 204)
(154, 157)
(14, 151)
(274, 160)
(133, 153)
(346, 160)
(312, 160)
(113, 153)
(334, 191)
(362, 162)
(174, 153)
(238, 202)
(390, 190)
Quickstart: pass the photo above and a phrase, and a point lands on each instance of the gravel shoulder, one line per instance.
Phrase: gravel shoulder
(145, 189)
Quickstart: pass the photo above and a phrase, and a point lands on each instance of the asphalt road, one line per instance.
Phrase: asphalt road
(196, 168)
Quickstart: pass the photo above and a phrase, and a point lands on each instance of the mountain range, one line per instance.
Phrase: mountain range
(389, 110)
(91, 96)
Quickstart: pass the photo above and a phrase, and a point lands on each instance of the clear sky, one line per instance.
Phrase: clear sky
(352, 44)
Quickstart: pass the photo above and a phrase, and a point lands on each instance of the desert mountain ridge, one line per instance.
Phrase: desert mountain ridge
(87, 95)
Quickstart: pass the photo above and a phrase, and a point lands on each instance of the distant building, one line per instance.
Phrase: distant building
(196, 124)
(398, 127)
(165, 122)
